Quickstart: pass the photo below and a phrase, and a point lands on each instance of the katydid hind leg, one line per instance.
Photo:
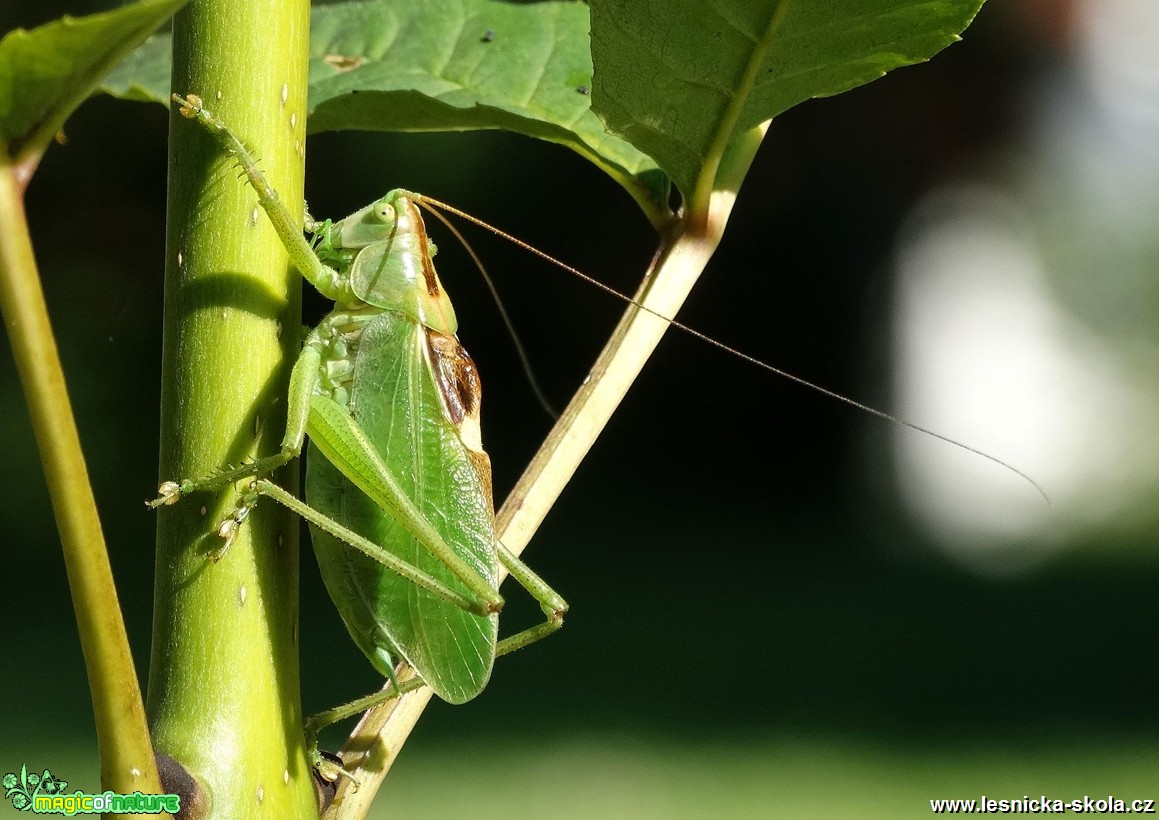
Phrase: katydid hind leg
(372, 550)
(554, 607)
(551, 602)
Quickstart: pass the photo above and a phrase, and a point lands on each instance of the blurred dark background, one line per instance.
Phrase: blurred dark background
(752, 612)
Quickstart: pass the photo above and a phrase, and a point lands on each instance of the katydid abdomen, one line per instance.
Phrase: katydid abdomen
(407, 382)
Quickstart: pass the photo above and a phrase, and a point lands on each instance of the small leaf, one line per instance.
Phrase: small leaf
(47, 72)
(681, 79)
(447, 65)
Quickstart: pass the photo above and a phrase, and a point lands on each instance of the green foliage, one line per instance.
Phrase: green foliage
(451, 66)
(681, 79)
(676, 82)
(446, 66)
(47, 72)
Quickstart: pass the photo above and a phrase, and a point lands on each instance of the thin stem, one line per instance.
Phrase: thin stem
(373, 747)
(714, 175)
(684, 252)
(126, 752)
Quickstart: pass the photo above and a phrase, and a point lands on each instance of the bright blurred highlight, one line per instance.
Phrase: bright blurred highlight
(1025, 314)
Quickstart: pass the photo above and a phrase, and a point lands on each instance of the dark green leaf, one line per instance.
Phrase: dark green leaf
(680, 79)
(47, 72)
(448, 65)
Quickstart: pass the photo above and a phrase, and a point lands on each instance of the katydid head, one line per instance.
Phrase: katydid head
(391, 265)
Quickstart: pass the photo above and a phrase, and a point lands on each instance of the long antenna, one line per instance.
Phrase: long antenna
(873, 411)
(519, 349)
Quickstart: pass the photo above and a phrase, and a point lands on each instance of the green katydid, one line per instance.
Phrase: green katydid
(398, 486)
(407, 549)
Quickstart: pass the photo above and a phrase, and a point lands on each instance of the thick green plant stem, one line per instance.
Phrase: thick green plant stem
(126, 753)
(224, 695)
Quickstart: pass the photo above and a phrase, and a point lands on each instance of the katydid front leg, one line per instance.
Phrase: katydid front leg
(323, 277)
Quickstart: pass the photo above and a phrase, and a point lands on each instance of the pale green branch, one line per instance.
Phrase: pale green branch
(126, 752)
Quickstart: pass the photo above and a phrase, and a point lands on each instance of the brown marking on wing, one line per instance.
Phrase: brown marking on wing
(462, 393)
(457, 376)
(428, 266)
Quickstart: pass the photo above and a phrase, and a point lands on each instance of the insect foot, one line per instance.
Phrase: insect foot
(229, 527)
(189, 106)
(168, 493)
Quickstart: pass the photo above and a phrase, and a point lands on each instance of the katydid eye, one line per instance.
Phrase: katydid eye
(385, 213)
